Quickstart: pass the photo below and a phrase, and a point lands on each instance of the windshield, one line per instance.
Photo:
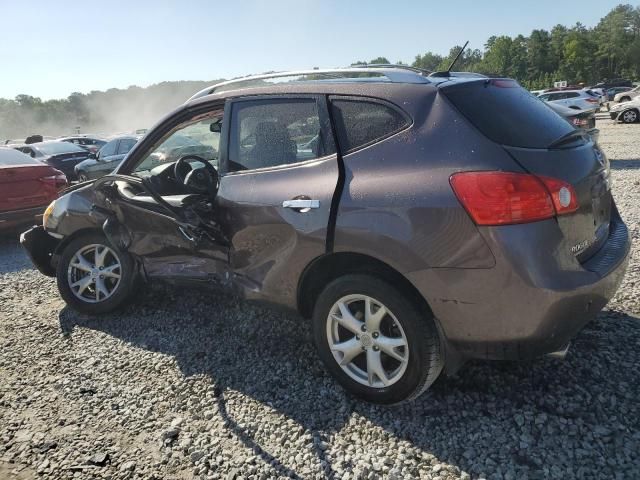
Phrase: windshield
(57, 148)
(200, 138)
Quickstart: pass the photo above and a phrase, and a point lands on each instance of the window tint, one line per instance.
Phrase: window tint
(507, 114)
(361, 122)
(126, 144)
(109, 149)
(572, 94)
(265, 133)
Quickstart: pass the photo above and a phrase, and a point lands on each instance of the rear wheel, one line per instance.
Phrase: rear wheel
(375, 341)
(630, 116)
(93, 276)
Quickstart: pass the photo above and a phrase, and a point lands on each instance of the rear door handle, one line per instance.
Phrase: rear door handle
(301, 204)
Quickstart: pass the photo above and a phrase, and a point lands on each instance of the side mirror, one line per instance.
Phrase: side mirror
(93, 155)
(215, 127)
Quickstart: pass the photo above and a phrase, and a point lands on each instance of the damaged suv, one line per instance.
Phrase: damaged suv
(418, 221)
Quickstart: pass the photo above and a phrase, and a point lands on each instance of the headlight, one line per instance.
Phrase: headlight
(47, 213)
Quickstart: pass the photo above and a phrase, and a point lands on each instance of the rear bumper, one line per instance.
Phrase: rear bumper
(18, 218)
(525, 306)
(40, 247)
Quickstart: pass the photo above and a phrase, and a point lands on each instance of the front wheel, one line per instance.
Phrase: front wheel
(374, 340)
(93, 276)
(630, 116)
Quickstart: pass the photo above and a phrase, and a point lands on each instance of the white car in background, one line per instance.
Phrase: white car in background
(626, 112)
(626, 96)
(576, 99)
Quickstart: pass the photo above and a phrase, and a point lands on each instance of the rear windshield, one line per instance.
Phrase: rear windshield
(507, 114)
(9, 156)
(57, 148)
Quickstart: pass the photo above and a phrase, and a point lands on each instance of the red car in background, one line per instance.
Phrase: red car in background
(27, 186)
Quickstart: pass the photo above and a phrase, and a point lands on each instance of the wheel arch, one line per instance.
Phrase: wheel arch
(328, 267)
(70, 238)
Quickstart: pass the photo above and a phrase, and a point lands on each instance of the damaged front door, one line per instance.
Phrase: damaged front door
(280, 173)
(163, 201)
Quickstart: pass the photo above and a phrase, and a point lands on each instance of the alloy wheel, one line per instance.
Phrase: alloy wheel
(630, 116)
(94, 273)
(367, 341)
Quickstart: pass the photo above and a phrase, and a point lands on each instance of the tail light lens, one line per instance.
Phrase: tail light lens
(57, 181)
(592, 100)
(504, 198)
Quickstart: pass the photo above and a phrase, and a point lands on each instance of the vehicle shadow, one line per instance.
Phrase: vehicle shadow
(489, 415)
(12, 256)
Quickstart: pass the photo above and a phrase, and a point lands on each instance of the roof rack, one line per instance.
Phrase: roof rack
(393, 65)
(391, 73)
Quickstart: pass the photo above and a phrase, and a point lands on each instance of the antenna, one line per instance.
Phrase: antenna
(457, 56)
(447, 73)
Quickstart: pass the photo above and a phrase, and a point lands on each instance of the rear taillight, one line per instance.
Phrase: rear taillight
(592, 100)
(503, 198)
(58, 181)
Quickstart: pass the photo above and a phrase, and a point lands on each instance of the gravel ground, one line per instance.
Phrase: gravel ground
(221, 389)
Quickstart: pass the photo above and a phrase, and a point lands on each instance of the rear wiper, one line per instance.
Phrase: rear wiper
(570, 137)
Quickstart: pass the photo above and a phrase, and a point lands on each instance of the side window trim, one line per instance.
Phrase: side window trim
(325, 124)
(393, 106)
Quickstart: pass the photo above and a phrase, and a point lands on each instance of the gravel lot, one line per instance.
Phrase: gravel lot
(188, 384)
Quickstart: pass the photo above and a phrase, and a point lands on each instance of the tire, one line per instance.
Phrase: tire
(118, 290)
(420, 361)
(629, 116)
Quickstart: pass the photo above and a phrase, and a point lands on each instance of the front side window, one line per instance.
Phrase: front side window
(109, 149)
(126, 144)
(199, 137)
(362, 122)
(267, 133)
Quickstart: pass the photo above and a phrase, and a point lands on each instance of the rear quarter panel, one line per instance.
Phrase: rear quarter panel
(397, 204)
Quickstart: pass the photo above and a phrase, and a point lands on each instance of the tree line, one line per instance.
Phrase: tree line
(576, 54)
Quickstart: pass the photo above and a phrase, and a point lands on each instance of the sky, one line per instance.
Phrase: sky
(49, 49)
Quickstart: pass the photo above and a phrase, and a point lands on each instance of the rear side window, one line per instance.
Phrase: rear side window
(507, 114)
(362, 122)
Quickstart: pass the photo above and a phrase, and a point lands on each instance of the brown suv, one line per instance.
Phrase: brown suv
(419, 221)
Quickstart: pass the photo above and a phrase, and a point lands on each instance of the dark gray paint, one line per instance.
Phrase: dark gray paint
(497, 292)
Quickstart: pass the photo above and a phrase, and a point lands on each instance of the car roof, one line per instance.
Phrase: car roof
(357, 77)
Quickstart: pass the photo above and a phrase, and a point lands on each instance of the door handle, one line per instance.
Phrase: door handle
(301, 204)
